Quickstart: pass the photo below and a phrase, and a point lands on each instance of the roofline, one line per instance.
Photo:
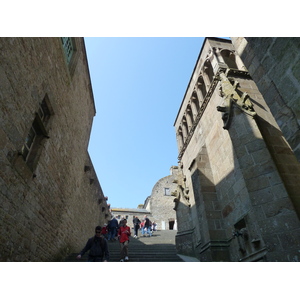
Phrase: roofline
(143, 210)
(207, 38)
(89, 75)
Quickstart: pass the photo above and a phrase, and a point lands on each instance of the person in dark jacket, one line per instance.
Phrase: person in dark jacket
(147, 226)
(112, 229)
(97, 247)
(136, 226)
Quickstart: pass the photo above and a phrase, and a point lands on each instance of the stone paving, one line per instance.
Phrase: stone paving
(160, 247)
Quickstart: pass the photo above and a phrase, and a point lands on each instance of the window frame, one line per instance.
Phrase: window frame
(71, 60)
(31, 148)
(167, 192)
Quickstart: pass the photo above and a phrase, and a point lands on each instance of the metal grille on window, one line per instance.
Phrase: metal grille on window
(43, 111)
(28, 143)
(68, 47)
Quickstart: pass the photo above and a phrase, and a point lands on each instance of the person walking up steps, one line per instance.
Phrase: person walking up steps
(112, 229)
(97, 247)
(136, 226)
(123, 235)
(147, 226)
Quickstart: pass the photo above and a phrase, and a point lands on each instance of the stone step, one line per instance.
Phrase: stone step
(132, 258)
(158, 248)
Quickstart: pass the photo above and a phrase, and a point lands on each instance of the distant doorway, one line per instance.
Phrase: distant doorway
(171, 224)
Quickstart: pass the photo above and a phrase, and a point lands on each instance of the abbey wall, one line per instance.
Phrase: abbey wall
(274, 64)
(51, 199)
(234, 195)
(235, 200)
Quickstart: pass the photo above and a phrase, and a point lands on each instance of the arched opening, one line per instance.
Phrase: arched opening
(195, 103)
(185, 128)
(189, 115)
(229, 59)
(201, 86)
(208, 73)
(180, 137)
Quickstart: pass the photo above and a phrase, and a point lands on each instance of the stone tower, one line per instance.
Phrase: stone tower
(236, 201)
(160, 202)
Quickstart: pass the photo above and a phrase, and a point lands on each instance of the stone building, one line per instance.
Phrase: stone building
(159, 206)
(50, 197)
(130, 213)
(160, 202)
(237, 131)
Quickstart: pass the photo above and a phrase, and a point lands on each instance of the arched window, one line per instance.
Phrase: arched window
(229, 59)
(180, 137)
(189, 115)
(201, 86)
(185, 128)
(208, 73)
(195, 103)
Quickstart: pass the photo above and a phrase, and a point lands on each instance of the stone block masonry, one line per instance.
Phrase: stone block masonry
(242, 181)
(51, 199)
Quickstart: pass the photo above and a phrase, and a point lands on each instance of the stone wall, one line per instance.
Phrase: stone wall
(49, 206)
(161, 204)
(274, 65)
(234, 203)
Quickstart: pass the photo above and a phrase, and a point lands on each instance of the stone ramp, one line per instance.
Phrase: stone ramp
(160, 247)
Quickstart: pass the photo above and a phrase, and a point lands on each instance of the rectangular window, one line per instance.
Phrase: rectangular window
(167, 192)
(37, 133)
(69, 48)
(28, 142)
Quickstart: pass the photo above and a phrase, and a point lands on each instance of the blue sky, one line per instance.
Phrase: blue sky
(138, 85)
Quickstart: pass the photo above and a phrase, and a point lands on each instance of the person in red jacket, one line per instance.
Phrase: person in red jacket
(123, 235)
(104, 231)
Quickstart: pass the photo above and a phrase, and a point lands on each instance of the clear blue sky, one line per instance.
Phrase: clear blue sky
(138, 85)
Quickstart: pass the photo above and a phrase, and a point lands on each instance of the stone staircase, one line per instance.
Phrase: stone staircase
(160, 247)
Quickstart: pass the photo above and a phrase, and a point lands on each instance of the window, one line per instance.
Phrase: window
(167, 192)
(69, 48)
(70, 52)
(37, 132)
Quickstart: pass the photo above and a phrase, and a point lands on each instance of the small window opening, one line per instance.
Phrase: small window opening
(68, 48)
(171, 224)
(167, 192)
(37, 133)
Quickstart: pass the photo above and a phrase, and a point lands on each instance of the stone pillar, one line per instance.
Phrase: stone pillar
(274, 225)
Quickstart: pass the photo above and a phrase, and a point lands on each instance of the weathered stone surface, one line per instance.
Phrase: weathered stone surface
(246, 166)
(50, 206)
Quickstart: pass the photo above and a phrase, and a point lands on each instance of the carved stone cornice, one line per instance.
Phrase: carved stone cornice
(199, 115)
(216, 79)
